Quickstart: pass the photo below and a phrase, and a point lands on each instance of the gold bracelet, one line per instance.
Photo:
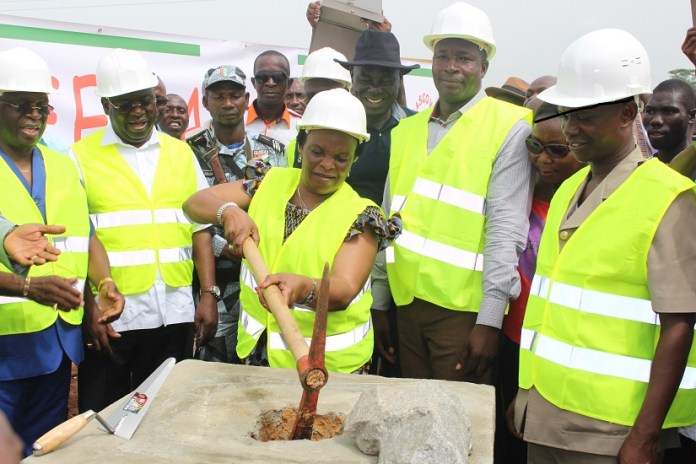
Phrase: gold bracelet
(25, 290)
(102, 282)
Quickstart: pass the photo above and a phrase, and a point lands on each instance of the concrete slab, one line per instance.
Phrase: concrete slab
(205, 413)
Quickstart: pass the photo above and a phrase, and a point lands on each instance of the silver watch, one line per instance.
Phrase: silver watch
(215, 290)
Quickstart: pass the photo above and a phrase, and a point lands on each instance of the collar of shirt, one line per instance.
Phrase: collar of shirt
(457, 114)
(613, 181)
(398, 112)
(252, 115)
(111, 138)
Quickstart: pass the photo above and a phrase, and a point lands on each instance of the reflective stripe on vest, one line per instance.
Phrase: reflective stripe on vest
(594, 302)
(596, 362)
(71, 244)
(250, 325)
(438, 251)
(142, 257)
(138, 218)
(333, 342)
(444, 193)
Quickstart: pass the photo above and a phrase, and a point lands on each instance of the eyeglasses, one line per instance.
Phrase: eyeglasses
(278, 76)
(127, 107)
(161, 101)
(28, 108)
(554, 150)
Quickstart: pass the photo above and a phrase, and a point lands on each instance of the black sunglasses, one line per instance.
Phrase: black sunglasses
(554, 150)
(278, 76)
(127, 107)
(28, 108)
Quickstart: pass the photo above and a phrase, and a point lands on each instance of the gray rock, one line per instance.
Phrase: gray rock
(420, 423)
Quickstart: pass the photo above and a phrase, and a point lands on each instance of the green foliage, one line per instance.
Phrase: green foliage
(685, 74)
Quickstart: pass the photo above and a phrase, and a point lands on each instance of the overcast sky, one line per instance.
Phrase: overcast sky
(530, 34)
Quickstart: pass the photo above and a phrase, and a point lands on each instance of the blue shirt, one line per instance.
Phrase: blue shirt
(31, 354)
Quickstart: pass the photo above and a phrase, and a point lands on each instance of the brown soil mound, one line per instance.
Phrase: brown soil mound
(277, 424)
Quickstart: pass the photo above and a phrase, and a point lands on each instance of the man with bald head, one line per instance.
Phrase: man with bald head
(537, 86)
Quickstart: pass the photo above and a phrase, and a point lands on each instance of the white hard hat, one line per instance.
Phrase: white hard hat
(462, 21)
(603, 66)
(336, 109)
(22, 70)
(123, 71)
(320, 64)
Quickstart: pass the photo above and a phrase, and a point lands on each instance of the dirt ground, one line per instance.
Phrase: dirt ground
(277, 424)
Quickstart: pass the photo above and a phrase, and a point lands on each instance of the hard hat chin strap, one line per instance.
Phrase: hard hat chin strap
(583, 108)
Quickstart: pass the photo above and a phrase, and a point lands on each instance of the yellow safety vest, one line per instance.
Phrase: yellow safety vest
(141, 231)
(65, 205)
(442, 201)
(589, 333)
(349, 334)
(290, 152)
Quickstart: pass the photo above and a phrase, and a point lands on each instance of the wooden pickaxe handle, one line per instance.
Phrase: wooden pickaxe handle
(288, 327)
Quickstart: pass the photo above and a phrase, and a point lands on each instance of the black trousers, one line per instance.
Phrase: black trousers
(104, 379)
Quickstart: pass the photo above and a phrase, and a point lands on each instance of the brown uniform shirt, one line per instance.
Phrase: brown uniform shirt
(671, 277)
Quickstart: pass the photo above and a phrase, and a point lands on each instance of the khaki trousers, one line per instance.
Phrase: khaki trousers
(431, 341)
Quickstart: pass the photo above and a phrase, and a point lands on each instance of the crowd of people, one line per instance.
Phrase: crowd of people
(534, 237)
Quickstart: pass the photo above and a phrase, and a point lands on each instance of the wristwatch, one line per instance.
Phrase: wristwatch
(215, 290)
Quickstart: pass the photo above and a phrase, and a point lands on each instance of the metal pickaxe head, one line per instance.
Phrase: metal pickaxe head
(312, 369)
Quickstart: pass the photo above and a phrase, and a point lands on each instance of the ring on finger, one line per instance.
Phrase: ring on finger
(34, 258)
(231, 246)
(90, 345)
(55, 306)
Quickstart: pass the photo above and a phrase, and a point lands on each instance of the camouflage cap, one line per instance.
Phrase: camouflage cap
(225, 73)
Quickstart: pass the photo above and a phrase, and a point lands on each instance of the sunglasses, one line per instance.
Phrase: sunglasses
(28, 108)
(161, 101)
(554, 150)
(278, 76)
(127, 107)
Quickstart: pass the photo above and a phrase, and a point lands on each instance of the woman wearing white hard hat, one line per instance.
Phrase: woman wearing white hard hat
(307, 217)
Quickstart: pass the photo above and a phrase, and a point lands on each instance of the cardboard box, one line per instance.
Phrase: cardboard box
(339, 25)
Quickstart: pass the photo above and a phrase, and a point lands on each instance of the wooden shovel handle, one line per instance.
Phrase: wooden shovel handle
(61, 433)
(288, 327)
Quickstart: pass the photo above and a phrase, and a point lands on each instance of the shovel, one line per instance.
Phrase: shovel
(122, 422)
(310, 360)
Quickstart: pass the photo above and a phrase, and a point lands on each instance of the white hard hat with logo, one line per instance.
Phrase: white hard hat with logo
(462, 21)
(320, 64)
(336, 109)
(22, 70)
(603, 66)
(123, 71)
